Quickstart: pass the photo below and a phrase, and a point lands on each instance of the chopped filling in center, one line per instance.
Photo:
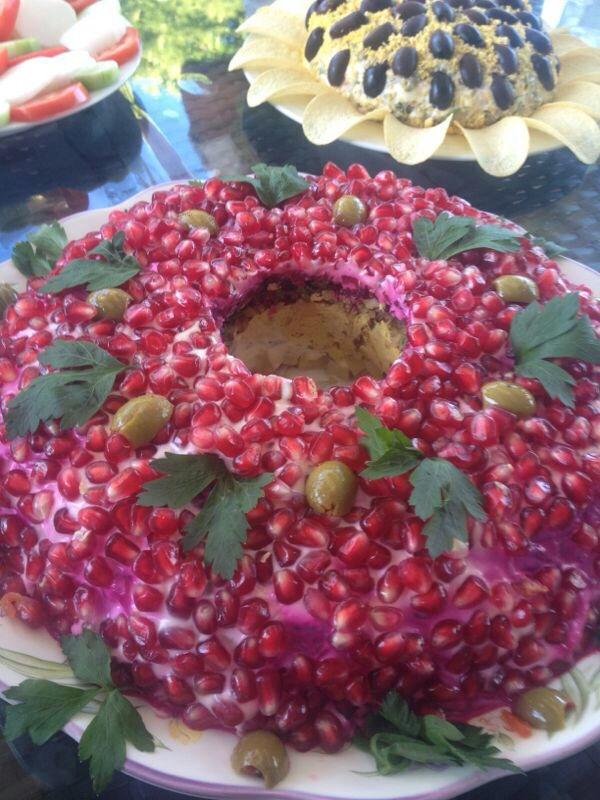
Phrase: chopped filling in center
(318, 332)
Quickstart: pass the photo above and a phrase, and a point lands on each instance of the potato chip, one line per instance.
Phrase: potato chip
(583, 51)
(328, 117)
(298, 8)
(275, 24)
(579, 66)
(258, 51)
(563, 43)
(331, 115)
(500, 149)
(278, 82)
(579, 94)
(571, 126)
(413, 145)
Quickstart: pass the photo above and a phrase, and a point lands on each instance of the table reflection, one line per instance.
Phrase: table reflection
(184, 115)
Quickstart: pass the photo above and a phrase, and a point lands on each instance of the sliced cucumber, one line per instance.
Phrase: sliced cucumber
(4, 113)
(18, 47)
(101, 75)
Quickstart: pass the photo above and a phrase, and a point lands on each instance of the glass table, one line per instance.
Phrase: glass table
(184, 115)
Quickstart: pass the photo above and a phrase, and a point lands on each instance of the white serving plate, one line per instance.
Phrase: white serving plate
(197, 764)
(125, 73)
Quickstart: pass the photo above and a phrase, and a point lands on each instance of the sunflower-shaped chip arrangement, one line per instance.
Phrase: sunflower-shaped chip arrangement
(420, 60)
(480, 72)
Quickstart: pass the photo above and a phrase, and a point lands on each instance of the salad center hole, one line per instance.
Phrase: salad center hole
(321, 332)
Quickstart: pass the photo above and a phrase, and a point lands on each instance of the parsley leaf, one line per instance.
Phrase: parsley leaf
(37, 256)
(222, 518)
(222, 521)
(185, 476)
(555, 380)
(78, 354)
(391, 451)
(399, 714)
(448, 235)
(72, 395)
(550, 248)
(44, 708)
(104, 740)
(553, 330)
(398, 738)
(113, 267)
(273, 184)
(88, 657)
(441, 494)
(448, 522)
(436, 477)
(7, 297)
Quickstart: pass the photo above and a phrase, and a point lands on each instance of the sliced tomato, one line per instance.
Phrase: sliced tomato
(47, 105)
(79, 5)
(3, 59)
(49, 52)
(124, 50)
(9, 10)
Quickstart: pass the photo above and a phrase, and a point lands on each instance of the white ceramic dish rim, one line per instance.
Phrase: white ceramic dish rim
(572, 739)
(125, 73)
(156, 777)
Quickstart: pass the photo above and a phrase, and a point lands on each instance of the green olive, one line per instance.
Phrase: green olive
(7, 297)
(543, 708)
(261, 753)
(349, 210)
(516, 289)
(509, 396)
(111, 303)
(331, 488)
(194, 218)
(141, 418)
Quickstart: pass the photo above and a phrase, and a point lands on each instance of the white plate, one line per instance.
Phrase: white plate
(370, 134)
(200, 767)
(125, 72)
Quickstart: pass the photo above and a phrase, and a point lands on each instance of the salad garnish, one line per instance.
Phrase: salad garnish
(441, 494)
(222, 519)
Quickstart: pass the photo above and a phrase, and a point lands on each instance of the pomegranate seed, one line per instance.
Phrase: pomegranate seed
(147, 598)
(350, 615)
(470, 593)
(446, 634)
(121, 549)
(197, 717)
(477, 629)
(429, 602)
(268, 688)
(272, 640)
(415, 575)
(174, 638)
(125, 484)
(243, 684)
(142, 630)
(354, 550)
(215, 654)
(318, 605)
(98, 572)
(288, 586)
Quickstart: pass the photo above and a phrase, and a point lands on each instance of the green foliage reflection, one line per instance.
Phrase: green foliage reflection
(177, 32)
